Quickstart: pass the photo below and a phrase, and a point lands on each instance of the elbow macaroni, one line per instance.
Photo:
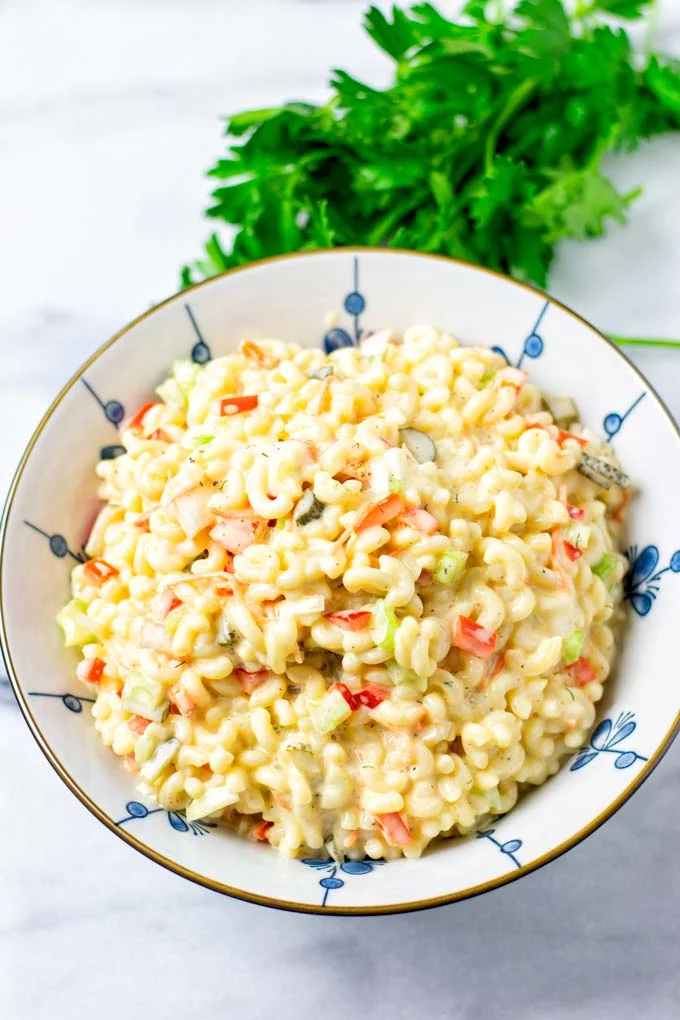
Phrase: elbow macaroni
(241, 585)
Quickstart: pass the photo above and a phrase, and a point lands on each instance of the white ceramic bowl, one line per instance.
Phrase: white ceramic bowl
(52, 504)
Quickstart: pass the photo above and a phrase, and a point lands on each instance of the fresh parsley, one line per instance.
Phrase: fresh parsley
(487, 145)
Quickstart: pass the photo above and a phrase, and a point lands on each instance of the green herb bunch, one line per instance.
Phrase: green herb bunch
(487, 145)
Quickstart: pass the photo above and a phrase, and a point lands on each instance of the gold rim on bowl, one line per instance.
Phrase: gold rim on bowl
(179, 869)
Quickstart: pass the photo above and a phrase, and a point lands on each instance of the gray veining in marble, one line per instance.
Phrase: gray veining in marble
(108, 116)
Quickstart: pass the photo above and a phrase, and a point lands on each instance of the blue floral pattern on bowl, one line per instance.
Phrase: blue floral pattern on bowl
(73, 702)
(331, 881)
(509, 847)
(607, 739)
(355, 305)
(135, 809)
(613, 422)
(641, 583)
(59, 547)
(533, 345)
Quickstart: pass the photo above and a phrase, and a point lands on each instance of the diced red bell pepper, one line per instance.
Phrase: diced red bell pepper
(576, 513)
(421, 520)
(91, 670)
(98, 571)
(395, 829)
(572, 552)
(389, 508)
(237, 405)
(182, 700)
(153, 635)
(137, 723)
(472, 638)
(347, 695)
(581, 672)
(371, 695)
(236, 531)
(259, 833)
(142, 522)
(512, 376)
(137, 419)
(250, 681)
(160, 435)
(351, 619)
(562, 437)
(168, 601)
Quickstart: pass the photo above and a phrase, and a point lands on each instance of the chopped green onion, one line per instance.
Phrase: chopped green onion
(605, 565)
(144, 696)
(572, 647)
(76, 624)
(450, 567)
(577, 535)
(214, 800)
(330, 712)
(164, 754)
(385, 625)
(399, 675)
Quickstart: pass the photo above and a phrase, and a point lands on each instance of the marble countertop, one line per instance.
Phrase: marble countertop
(108, 117)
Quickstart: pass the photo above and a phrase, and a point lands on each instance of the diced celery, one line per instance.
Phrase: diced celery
(494, 798)
(172, 393)
(563, 410)
(144, 696)
(164, 754)
(399, 675)
(486, 379)
(200, 440)
(577, 535)
(145, 747)
(385, 625)
(395, 484)
(77, 626)
(186, 373)
(330, 711)
(605, 565)
(214, 800)
(226, 635)
(450, 567)
(572, 647)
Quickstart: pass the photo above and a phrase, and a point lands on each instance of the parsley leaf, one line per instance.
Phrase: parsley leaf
(487, 144)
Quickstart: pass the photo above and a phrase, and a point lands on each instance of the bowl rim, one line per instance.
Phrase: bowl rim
(179, 869)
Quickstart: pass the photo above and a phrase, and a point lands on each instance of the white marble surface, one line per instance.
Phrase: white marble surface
(108, 115)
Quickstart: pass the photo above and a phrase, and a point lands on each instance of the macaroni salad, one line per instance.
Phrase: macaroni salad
(353, 601)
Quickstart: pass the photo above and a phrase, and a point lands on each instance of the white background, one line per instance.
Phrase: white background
(108, 118)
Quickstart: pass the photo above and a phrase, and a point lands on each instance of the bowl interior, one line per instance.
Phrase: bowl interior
(53, 503)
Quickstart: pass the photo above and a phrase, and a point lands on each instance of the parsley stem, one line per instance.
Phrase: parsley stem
(516, 98)
(630, 341)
